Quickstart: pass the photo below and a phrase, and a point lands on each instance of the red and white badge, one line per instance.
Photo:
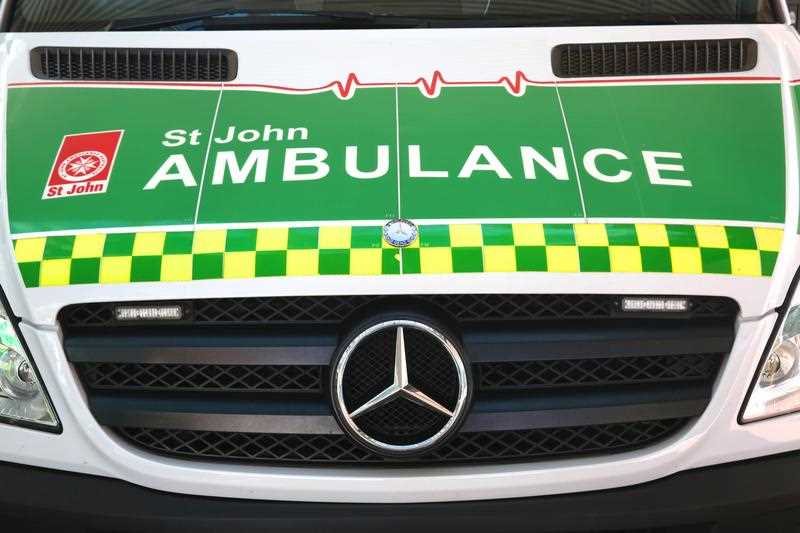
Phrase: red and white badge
(83, 164)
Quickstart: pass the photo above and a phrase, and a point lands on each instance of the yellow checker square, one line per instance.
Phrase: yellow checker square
(334, 237)
(745, 263)
(466, 235)
(271, 239)
(209, 241)
(652, 235)
(176, 267)
(302, 262)
(150, 243)
(711, 236)
(499, 259)
(528, 234)
(435, 260)
(88, 245)
(115, 270)
(625, 258)
(30, 250)
(563, 259)
(54, 272)
(239, 265)
(591, 235)
(686, 260)
(366, 261)
(769, 239)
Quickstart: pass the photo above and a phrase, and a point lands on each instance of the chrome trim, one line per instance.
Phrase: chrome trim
(401, 387)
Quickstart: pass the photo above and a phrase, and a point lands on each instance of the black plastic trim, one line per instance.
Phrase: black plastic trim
(201, 348)
(314, 416)
(756, 495)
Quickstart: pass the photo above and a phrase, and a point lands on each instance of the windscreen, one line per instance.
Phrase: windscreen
(104, 15)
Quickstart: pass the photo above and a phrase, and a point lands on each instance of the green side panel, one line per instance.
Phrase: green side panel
(449, 126)
(39, 118)
(731, 138)
(366, 120)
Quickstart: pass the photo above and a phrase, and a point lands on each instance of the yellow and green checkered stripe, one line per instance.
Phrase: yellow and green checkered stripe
(360, 250)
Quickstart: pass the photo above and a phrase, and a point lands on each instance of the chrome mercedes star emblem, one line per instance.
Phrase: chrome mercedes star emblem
(404, 417)
(400, 232)
(401, 386)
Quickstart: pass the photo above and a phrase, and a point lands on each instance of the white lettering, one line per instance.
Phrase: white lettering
(558, 168)
(226, 161)
(490, 163)
(317, 161)
(415, 165)
(654, 168)
(590, 163)
(351, 163)
(181, 172)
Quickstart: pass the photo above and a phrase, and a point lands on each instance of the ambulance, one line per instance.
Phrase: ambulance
(382, 265)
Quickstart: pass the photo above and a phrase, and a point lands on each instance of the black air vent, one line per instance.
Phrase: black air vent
(654, 58)
(133, 64)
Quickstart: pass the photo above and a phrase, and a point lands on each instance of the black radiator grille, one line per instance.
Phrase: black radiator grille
(187, 377)
(654, 58)
(249, 378)
(465, 447)
(134, 64)
(599, 371)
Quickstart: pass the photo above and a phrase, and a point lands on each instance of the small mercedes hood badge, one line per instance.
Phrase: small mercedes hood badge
(400, 232)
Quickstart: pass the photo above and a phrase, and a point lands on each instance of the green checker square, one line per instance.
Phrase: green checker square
(30, 273)
(84, 271)
(559, 234)
(303, 238)
(271, 263)
(178, 242)
(741, 238)
(411, 263)
(366, 237)
(497, 234)
(240, 240)
(59, 247)
(716, 260)
(622, 235)
(467, 259)
(656, 259)
(207, 266)
(146, 268)
(768, 260)
(594, 259)
(119, 245)
(333, 262)
(434, 235)
(681, 235)
(390, 260)
(531, 258)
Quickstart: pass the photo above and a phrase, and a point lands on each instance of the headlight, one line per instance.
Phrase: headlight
(22, 396)
(776, 388)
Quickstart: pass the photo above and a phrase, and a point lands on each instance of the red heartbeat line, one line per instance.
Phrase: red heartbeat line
(514, 84)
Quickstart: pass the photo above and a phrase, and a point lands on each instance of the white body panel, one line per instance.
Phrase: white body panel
(314, 59)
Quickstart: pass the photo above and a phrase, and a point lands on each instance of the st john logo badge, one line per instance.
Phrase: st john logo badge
(83, 164)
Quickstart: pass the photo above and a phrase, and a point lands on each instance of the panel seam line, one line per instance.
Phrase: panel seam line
(207, 155)
(572, 151)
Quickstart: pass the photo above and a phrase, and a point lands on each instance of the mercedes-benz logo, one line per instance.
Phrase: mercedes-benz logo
(400, 387)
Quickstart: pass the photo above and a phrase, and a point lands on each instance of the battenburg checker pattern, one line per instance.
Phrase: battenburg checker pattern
(440, 249)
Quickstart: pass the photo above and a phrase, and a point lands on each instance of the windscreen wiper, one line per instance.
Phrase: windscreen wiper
(238, 18)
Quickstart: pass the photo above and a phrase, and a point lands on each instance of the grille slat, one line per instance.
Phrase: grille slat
(465, 447)
(597, 60)
(134, 64)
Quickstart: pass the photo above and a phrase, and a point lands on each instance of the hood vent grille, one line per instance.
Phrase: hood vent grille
(134, 64)
(654, 58)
